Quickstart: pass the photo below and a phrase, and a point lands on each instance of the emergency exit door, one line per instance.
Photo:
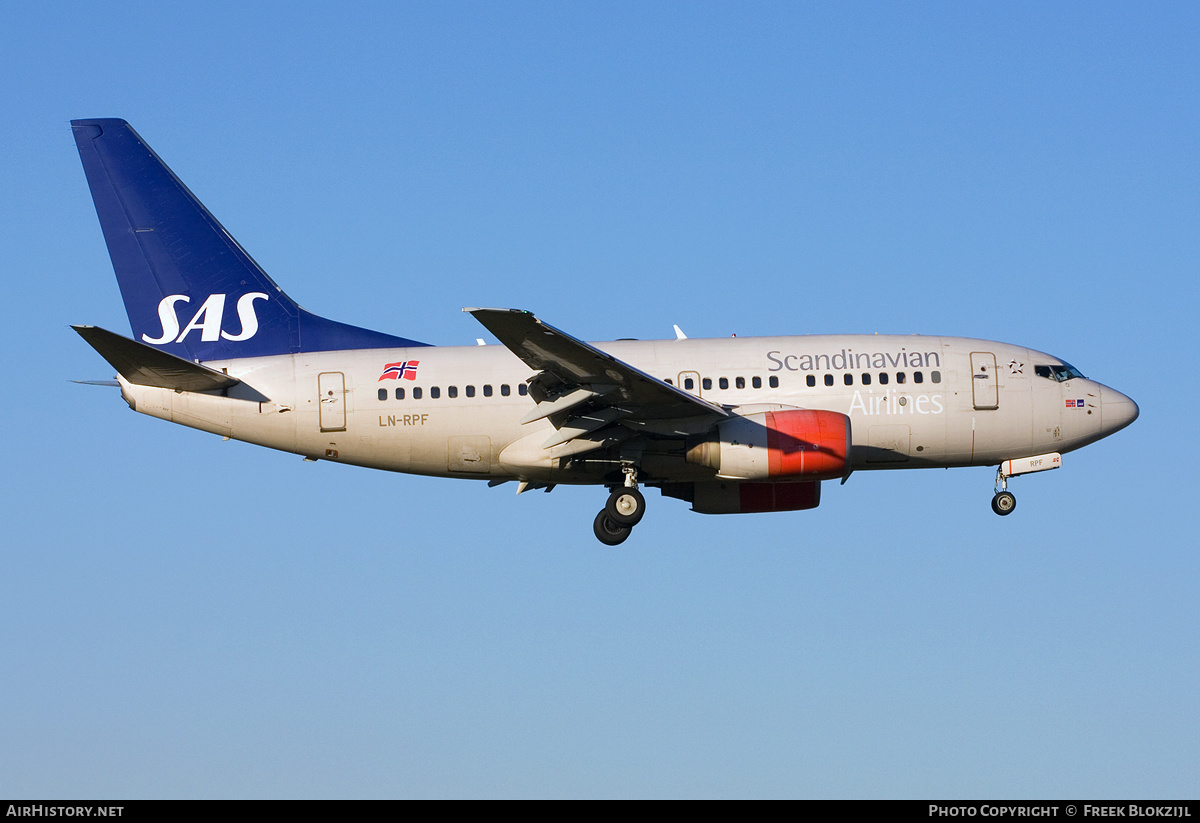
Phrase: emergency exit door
(689, 381)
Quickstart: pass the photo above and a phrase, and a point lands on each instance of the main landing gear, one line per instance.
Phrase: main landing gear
(1004, 501)
(622, 512)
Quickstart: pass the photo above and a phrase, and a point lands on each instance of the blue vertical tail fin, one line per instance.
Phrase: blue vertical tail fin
(189, 288)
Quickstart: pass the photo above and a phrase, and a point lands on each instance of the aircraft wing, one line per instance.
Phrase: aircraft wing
(591, 397)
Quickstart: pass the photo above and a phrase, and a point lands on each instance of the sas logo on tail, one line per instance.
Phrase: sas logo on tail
(207, 319)
(406, 370)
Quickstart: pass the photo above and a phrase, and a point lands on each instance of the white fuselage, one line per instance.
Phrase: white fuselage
(913, 402)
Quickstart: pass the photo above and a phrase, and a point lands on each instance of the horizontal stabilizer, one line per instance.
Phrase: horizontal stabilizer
(147, 366)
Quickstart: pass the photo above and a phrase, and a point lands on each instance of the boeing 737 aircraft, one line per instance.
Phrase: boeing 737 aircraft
(729, 425)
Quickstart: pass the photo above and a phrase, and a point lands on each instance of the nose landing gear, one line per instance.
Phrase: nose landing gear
(1004, 501)
(622, 512)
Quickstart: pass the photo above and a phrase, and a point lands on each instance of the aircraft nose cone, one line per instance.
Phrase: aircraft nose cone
(1117, 410)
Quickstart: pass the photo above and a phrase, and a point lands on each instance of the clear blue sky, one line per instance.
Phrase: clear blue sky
(186, 617)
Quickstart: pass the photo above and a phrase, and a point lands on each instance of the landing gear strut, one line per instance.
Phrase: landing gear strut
(1004, 501)
(622, 512)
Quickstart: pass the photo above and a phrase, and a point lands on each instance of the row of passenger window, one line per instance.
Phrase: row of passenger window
(688, 383)
(706, 383)
(884, 378)
(865, 379)
(435, 392)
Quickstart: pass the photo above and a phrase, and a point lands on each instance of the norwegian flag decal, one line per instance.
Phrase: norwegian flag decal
(395, 371)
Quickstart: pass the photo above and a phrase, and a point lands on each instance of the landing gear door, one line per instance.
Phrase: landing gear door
(332, 387)
(984, 390)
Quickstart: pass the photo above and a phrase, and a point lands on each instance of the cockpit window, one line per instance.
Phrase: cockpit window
(1059, 373)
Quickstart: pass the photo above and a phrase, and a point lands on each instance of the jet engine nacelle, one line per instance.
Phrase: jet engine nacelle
(799, 444)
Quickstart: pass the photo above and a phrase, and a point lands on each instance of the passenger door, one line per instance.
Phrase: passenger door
(984, 388)
(331, 386)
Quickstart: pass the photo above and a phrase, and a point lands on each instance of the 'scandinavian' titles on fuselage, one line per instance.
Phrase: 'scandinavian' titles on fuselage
(731, 425)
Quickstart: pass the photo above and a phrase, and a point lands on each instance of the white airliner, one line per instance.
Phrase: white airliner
(729, 425)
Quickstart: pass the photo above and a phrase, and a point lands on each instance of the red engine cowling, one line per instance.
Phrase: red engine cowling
(799, 444)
